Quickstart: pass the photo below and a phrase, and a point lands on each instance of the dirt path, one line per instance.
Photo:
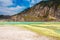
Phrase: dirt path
(8, 32)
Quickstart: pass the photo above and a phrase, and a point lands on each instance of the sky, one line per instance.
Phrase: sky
(11, 7)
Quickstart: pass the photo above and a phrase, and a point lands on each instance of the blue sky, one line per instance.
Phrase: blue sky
(11, 7)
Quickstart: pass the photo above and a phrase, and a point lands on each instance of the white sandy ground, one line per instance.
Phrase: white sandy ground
(8, 32)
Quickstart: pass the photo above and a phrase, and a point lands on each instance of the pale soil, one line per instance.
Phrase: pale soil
(8, 32)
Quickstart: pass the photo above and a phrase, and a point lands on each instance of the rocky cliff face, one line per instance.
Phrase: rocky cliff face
(38, 13)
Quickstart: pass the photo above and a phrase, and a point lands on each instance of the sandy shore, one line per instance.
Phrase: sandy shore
(8, 32)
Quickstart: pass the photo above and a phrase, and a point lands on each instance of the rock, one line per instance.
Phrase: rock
(38, 13)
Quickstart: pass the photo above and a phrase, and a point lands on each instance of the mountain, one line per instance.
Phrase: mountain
(38, 13)
(4, 18)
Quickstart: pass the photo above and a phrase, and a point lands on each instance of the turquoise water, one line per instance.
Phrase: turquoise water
(29, 23)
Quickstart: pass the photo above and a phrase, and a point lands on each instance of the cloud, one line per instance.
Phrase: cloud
(11, 11)
(5, 3)
(9, 7)
(5, 10)
(17, 8)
